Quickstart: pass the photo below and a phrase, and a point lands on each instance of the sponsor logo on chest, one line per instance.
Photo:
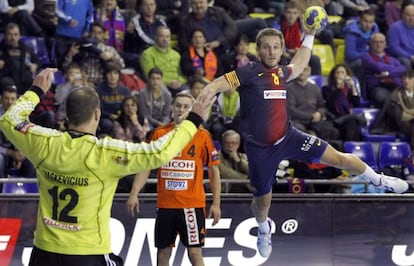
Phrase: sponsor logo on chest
(274, 94)
(176, 184)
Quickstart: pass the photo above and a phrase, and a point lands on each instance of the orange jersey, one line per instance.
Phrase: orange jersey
(180, 181)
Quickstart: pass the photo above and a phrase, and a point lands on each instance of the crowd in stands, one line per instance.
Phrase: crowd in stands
(138, 54)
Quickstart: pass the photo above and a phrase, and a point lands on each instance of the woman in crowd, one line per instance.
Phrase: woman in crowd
(128, 126)
(200, 60)
(341, 94)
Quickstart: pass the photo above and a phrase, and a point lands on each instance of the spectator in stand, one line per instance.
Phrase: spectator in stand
(45, 112)
(307, 108)
(333, 7)
(272, 6)
(196, 84)
(45, 14)
(167, 59)
(382, 72)
(17, 60)
(173, 11)
(130, 127)
(233, 163)
(11, 158)
(198, 59)
(224, 114)
(238, 11)
(325, 36)
(73, 77)
(94, 54)
(110, 16)
(392, 11)
(240, 55)
(400, 37)
(357, 36)
(142, 29)
(111, 95)
(341, 94)
(20, 12)
(74, 21)
(155, 101)
(220, 28)
(397, 114)
(289, 25)
(352, 8)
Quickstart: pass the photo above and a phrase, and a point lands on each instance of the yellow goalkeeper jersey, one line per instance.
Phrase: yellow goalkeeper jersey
(78, 174)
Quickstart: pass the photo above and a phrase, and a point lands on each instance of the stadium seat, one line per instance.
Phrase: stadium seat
(364, 150)
(58, 78)
(393, 153)
(217, 144)
(252, 48)
(262, 15)
(340, 54)
(334, 19)
(339, 41)
(326, 56)
(370, 115)
(20, 188)
(38, 45)
(319, 80)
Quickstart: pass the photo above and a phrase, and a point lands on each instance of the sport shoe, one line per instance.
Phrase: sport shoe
(392, 184)
(264, 241)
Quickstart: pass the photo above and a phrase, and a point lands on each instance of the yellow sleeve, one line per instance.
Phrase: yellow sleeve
(25, 136)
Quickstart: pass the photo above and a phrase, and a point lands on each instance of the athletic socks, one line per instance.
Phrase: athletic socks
(370, 175)
(264, 227)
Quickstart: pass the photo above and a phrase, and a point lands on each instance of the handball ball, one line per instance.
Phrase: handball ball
(315, 18)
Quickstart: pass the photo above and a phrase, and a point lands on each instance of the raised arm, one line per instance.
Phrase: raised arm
(220, 84)
(301, 59)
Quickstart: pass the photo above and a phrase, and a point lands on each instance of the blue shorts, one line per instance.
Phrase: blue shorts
(264, 160)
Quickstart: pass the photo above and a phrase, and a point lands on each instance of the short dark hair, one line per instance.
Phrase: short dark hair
(11, 25)
(112, 65)
(408, 74)
(200, 30)
(196, 78)
(9, 89)
(97, 24)
(242, 38)
(155, 70)
(72, 65)
(369, 12)
(81, 104)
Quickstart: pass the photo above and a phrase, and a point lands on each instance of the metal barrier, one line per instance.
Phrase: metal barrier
(226, 183)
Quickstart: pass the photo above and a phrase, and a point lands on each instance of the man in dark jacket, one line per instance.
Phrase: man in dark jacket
(220, 28)
(17, 60)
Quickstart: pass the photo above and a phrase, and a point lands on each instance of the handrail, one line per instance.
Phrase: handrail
(227, 182)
